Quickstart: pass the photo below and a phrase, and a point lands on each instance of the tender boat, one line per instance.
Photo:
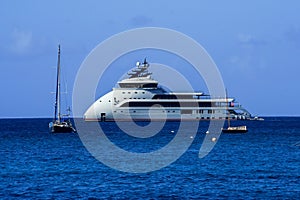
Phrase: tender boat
(235, 129)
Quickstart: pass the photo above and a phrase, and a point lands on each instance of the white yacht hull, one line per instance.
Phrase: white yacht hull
(104, 109)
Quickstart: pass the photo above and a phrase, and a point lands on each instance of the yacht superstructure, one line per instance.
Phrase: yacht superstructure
(140, 98)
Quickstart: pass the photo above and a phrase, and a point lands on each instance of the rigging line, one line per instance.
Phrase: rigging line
(66, 89)
(65, 86)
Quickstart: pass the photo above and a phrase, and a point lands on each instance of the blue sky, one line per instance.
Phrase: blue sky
(255, 44)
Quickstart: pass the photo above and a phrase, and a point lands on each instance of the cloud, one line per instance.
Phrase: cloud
(21, 41)
(249, 54)
(293, 35)
(250, 40)
(140, 20)
(245, 38)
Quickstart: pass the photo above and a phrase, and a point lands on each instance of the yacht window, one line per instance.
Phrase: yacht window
(205, 104)
(135, 92)
(108, 100)
(123, 92)
(161, 103)
(143, 92)
(186, 111)
(128, 92)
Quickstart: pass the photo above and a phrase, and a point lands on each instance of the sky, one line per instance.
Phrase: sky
(255, 45)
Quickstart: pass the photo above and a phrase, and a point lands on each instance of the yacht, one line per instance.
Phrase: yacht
(60, 123)
(140, 98)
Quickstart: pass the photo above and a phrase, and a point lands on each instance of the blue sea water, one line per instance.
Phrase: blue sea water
(262, 164)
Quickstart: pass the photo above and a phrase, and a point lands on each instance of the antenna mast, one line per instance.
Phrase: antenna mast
(228, 113)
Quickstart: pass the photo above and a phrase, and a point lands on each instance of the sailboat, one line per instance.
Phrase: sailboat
(233, 129)
(61, 122)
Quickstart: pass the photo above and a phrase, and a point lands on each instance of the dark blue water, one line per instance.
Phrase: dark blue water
(262, 164)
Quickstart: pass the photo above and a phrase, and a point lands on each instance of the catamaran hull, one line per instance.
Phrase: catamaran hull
(61, 128)
(57, 129)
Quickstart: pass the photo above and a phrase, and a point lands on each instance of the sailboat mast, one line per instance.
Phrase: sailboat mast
(57, 101)
(228, 113)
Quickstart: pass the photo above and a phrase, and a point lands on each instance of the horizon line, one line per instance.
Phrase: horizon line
(50, 117)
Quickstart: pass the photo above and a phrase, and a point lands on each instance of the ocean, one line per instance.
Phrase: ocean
(261, 164)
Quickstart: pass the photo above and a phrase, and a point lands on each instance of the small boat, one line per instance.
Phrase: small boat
(233, 129)
(257, 119)
(61, 123)
(61, 127)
